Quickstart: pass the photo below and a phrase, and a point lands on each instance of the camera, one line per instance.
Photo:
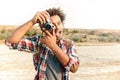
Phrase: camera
(48, 25)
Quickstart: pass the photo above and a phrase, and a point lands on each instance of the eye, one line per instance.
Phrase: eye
(59, 22)
(60, 32)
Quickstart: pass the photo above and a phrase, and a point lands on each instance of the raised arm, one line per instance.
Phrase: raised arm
(18, 34)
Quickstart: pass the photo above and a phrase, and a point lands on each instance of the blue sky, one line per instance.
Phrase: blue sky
(84, 14)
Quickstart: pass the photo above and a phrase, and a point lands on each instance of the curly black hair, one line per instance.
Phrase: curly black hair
(56, 11)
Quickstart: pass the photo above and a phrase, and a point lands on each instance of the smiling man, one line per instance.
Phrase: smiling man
(53, 56)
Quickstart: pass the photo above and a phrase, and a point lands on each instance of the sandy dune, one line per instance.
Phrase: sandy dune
(97, 63)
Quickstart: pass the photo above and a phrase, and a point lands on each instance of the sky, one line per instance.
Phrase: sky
(85, 14)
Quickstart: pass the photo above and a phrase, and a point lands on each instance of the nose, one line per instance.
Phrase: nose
(57, 33)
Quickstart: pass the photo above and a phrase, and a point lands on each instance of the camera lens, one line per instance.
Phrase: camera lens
(47, 26)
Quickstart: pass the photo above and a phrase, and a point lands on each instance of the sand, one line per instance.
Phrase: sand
(96, 63)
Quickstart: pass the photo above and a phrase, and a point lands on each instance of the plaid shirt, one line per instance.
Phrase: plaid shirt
(40, 54)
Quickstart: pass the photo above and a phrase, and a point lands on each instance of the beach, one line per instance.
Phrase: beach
(96, 63)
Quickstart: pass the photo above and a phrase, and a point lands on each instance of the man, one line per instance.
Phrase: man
(53, 56)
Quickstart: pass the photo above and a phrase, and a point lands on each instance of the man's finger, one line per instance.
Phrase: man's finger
(53, 32)
(46, 32)
(47, 14)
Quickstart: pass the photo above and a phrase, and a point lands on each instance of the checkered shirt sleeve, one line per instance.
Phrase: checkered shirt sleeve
(70, 49)
(26, 44)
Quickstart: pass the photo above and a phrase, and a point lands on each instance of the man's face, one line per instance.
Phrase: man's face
(56, 21)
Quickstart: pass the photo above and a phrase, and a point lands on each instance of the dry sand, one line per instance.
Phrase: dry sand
(97, 63)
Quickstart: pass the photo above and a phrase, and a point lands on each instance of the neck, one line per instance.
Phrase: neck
(58, 41)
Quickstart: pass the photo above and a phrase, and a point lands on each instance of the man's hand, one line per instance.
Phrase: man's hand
(40, 17)
(49, 38)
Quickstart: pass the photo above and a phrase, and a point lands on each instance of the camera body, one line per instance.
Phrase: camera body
(48, 26)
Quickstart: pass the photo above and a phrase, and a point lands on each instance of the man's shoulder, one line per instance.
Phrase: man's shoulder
(68, 42)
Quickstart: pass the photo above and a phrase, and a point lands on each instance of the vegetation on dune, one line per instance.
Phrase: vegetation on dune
(77, 35)
(93, 35)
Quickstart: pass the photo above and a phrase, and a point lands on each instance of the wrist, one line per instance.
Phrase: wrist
(53, 47)
(33, 21)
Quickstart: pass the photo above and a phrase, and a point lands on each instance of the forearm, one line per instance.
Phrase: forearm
(19, 32)
(63, 58)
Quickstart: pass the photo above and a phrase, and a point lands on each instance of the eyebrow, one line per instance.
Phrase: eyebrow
(57, 22)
